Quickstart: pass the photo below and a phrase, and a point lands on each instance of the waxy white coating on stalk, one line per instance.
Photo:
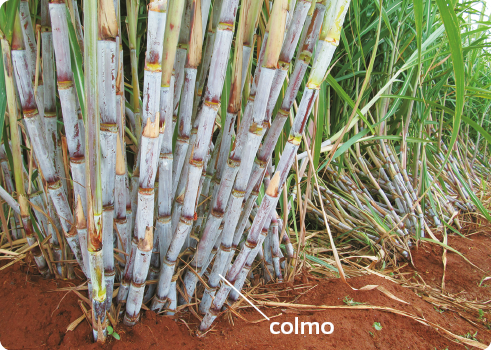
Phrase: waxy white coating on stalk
(66, 91)
(140, 270)
(29, 38)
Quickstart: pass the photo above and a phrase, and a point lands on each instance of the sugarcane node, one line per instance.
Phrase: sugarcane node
(182, 139)
(217, 213)
(250, 244)
(166, 156)
(168, 262)
(198, 163)
(158, 6)
(130, 320)
(120, 220)
(108, 207)
(215, 105)
(49, 114)
(146, 191)
(64, 85)
(153, 67)
(55, 185)
(237, 193)
(151, 130)
(30, 113)
(225, 248)
(283, 65)
(255, 128)
(107, 127)
(233, 163)
(295, 139)
(138, 285)
(186, 220)
(211, 289)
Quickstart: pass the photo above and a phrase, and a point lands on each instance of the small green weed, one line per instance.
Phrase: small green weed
(111, 332)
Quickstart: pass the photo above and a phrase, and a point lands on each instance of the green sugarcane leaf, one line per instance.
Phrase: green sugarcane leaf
(321, 262)
(35, 226)
(76, 61)
(474, 198)
(445, 246)
(453, 230)
(3, 18)
(8, 13)
(345, 146)
(3, 98)
(477, 127)
(418, 21)
(321, 113)
(332, 82)
(451, 24)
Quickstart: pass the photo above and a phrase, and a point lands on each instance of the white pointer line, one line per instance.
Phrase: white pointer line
(242, 295)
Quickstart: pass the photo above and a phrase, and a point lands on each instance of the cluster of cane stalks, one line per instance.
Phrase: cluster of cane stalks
(373, 201)
(179, 181)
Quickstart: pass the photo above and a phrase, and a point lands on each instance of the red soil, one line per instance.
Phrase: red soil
(32, 316)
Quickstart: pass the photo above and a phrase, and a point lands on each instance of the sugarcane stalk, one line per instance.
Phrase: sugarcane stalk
(223, 188)
(93, 183)
(68, 98)
(140, 270)
(301, 64)
(107, 52)
(49, 79)
(193, 59)
(171, 36)
(258, 98)
(151, 109)
(22, 207)
(328, 41)
(206, 117)
(35, 127)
